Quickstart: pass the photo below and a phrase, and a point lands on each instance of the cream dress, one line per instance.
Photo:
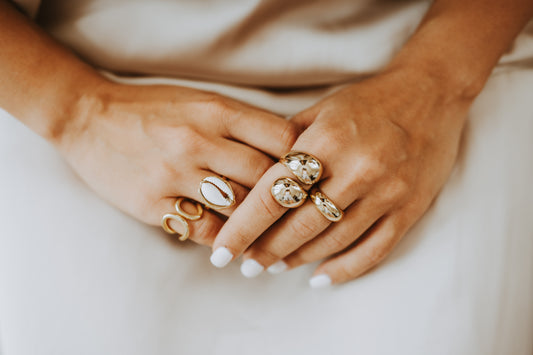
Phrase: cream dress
(79, 277)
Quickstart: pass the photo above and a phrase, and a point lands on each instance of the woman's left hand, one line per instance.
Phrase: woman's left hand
(387, 145)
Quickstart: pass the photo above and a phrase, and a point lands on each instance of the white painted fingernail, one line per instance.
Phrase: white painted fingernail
(277, 268)
(251, 268)
(320, 281)
(221, 257)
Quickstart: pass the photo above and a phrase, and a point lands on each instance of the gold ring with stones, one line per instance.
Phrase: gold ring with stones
(217, 192)
(182, 213)
(305, 167)
(167, 228)
(325, 205)
(288, 193)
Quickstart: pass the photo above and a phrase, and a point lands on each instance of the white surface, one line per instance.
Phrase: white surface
(79, 277)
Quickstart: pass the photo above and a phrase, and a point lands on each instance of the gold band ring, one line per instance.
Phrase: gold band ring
(182, 213)
(288, 193)
(217, 192)
(306, 167)
(164, 223)
(181, 217)
(325, 205)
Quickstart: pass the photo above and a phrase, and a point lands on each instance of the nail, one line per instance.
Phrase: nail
(277, 268)
(251, 268)
(221, 257)
(320, 281)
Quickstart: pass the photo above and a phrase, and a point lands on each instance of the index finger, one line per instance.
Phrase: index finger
(252, 218)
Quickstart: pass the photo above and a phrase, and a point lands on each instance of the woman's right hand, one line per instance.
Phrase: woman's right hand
(140, 147)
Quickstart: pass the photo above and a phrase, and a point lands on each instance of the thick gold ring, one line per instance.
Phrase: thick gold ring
(325, 205)
(306, 167)
(182, 213)
(217, 192)
(288, 193)
(164, 223)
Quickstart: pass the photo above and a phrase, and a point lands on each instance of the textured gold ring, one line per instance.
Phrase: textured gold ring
(306, 167)
(288, 193)
(164, 223)
(325, 205)
(182, 213)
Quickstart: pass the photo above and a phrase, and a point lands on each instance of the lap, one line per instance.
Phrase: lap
(77, 276)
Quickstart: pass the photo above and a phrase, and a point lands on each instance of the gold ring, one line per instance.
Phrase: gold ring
(164, 223)
(288, 193)
(306, 167)
(182, 213)
(217, 192)
(325, 205)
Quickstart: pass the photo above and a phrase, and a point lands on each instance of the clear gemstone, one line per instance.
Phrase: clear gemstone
(288, 193)
(304, 166)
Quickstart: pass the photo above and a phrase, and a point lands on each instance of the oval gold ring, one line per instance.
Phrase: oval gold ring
(182, 213)
(325, 205)
(306, 167)
(164, 223)
(288, 193)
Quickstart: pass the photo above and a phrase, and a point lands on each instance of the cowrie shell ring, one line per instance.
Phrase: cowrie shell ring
(217, 192)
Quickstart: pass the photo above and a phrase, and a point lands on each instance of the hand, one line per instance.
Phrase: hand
(387, 145)
(140, 147)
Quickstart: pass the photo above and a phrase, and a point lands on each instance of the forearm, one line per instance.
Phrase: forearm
(41, 83)
(459, 42)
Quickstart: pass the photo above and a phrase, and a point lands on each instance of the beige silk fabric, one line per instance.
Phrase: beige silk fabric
(460, 283)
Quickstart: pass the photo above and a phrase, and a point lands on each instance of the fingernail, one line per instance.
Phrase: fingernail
(251, 268)
(320, 281)
(221, 257)
(277, 268)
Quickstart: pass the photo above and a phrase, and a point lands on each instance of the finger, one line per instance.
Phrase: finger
(202, 231)
(191, 189)
(357, 219)
(305, 223)
(238, 162)
(253, 216)
(372, 248)
(267, 132)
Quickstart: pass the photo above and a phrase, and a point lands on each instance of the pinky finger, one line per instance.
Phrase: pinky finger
(369, 251)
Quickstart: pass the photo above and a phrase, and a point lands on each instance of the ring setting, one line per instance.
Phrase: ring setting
(217, 192)
(325, 206)
(306, 167)
(288, 193)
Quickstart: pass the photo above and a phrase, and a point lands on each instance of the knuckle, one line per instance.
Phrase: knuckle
(395, 191)
(258, 167)
(268, 207)
(189, 140)
(335, 243)
(370, 169)
(374, 256)
(302, 229)
(289, 135)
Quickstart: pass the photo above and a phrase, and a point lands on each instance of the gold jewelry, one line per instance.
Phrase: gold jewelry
(182, 213)
(217, 192)
(326, 206)
(164, 223)
(288, 193)
(305, 167)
